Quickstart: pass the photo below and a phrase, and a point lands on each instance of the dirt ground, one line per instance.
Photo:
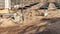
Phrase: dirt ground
(49, 24)
(39, 25)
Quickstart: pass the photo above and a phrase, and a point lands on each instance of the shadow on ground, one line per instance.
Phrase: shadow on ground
(35, 30)
(50, 20)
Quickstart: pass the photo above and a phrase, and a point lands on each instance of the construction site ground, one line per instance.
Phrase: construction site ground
(34, 24)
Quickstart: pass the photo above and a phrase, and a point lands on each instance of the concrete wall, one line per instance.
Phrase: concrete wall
(2, 4)
(5, 4)
(8, 3)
